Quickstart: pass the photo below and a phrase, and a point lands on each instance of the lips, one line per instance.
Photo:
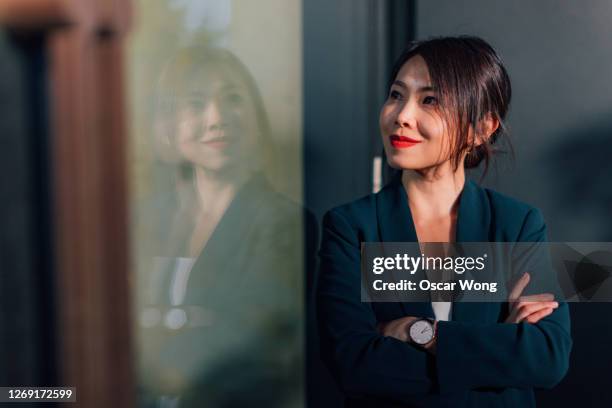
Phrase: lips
(402, 142)
(217, 142)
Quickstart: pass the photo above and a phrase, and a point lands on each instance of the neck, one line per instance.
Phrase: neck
(434, 193)
(209, 191)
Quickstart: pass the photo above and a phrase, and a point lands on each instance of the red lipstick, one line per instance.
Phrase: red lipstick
(402, 142)
(218, 142)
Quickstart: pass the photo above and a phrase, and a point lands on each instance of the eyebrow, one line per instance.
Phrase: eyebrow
(421, 89)
(229, 86)
(203, 94)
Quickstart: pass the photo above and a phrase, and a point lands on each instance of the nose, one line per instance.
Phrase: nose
(213, 118)
(406, 116)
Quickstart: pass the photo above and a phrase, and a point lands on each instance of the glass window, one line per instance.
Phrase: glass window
(215, 105)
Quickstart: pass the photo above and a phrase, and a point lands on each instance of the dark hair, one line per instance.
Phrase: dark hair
(186, 71)
(471, 82)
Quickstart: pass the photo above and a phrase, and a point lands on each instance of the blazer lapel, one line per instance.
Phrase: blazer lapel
(395, 224)
(473, 225)
(474, 215)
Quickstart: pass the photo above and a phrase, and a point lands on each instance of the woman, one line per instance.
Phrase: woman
(445, 109)
(220, 259)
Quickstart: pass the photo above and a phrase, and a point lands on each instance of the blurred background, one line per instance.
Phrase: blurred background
(166, 164)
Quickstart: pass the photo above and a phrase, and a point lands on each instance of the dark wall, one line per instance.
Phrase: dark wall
(347, 48)
(27, 353)
(559, 57)
(341, 80)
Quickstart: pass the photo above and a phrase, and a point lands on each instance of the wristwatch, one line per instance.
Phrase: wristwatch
(422, 331)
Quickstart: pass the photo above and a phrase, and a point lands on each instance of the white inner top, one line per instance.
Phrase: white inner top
(442, 310)
(178, 287)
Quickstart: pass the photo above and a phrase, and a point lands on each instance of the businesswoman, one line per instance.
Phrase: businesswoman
(444, 113)
(219, 268)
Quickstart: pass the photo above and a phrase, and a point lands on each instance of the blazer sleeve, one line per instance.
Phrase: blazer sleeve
(362, 361)
(504, 355)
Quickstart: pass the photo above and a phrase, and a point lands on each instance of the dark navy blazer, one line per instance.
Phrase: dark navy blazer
(480, 361)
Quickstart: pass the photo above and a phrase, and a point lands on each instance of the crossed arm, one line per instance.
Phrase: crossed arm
(529, 308)
(531, 349)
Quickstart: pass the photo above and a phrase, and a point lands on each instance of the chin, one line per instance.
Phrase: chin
(214, 164)
(404, 163)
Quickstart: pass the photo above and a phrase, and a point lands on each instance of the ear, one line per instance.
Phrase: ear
(486, 127)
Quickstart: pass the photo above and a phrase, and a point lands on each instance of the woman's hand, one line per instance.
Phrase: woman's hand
(397, 328)
(530, 308)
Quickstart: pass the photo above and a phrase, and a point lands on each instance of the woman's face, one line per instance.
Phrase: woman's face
(411, 124)
(217, 126)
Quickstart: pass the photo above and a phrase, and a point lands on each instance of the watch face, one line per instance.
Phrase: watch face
(421, 332)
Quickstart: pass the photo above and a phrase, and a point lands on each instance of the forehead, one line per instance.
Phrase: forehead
(211, 90)
(414, 73)
(210, 83)
(205, 79)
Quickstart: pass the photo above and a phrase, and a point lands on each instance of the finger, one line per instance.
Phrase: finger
(540, 297)
(521, 305)
(539, 315)
(529, 308)
(518, 288)
(523, 300)
(522, 309)
(525, 311)
(511, 317)
(536, 305)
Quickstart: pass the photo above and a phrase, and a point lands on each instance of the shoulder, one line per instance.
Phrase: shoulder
(258, 201)
(518, 219)
(352, 222)
(354, 213)
(354, 210)
(269, 215)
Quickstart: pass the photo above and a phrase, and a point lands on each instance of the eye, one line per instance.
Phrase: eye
(233, 99)
(395, 95)
(197, 105)
(430, 100)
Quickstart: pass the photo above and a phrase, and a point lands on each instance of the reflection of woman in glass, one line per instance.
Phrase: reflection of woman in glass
(445, 109)
(223, 291)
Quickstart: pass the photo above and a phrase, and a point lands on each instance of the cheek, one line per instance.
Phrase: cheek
(185, 126)
(250, 129)
(432, 128)
(232, 115)
(184, 131)
(239, 121)
(385, 119)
